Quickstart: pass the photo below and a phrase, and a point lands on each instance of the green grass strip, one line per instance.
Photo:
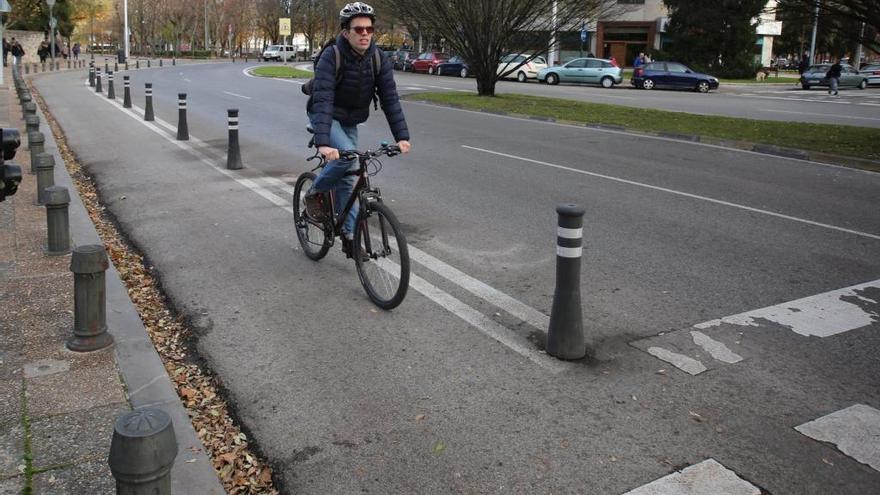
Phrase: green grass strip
(281, 71)
(861, 142)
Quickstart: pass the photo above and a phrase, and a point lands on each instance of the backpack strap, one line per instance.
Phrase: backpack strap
(377, 67)
(338, 63)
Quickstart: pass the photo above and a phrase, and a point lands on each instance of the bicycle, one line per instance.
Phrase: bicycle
(379, 247)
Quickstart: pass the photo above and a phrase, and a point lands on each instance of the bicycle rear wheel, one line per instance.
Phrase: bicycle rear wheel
(313, 235)
(381, 255)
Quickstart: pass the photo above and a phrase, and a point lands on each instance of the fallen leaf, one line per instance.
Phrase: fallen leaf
(826, 461)
(420, 417)
(696, 417)
(439, 447)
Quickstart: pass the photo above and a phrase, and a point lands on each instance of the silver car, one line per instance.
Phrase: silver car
(815, 76)
(583, 70)
(872, 72)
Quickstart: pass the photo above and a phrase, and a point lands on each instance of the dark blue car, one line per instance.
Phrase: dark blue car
(672, 75)
(455, 66)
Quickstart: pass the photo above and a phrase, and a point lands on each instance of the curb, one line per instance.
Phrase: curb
(146, 380)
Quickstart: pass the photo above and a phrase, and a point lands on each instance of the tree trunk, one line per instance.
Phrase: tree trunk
(485, 82)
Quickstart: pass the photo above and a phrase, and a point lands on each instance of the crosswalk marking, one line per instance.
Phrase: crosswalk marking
(854, 430)
(709, 477)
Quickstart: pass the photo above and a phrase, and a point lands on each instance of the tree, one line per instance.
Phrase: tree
(840, 24)
(482, 31)
(716, 37)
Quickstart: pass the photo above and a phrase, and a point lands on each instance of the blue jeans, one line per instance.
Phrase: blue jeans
(834, 83)
(333, 176)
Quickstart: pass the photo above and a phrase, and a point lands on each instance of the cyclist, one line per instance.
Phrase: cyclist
(340, 100)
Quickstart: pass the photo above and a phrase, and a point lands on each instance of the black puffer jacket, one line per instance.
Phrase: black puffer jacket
(349, 101)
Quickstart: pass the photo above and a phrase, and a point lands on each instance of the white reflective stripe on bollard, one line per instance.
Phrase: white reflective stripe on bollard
(569, 233)
(566, 252)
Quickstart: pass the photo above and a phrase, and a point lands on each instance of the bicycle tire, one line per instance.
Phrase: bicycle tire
(315, 248)
(376, 268)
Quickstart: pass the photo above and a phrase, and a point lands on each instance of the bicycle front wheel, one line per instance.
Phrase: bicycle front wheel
(381, 255)
(313, 235)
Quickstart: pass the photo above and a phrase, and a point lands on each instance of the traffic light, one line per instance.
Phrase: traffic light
(10, 173)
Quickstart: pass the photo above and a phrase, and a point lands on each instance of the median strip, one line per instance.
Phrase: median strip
(826, 141)
(282, 72)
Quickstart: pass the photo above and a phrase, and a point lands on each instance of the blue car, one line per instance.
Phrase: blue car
(672, 75)
(455, 66)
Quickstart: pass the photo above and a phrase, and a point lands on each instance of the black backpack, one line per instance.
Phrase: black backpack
(377, 64)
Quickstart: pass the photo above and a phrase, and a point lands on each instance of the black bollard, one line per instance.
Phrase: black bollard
(142, 452)
(182, 128)
(173, 61)
(137, 64)
(233, 153)
(106, 66)
(148, 108)
(98, 88)
(148, 63)
(57, 220)
(45, 170)
(565, 337)
(91, 75)
(160, 62)
(36, 142)
(111, 93)
(126, 92)
(115, 66)
(88, 264)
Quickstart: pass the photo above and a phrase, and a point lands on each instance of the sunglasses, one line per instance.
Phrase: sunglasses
(363, 29)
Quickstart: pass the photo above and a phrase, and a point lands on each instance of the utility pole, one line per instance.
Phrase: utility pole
(206, 25)
(813, 39)
(125, 29)
(52, 24)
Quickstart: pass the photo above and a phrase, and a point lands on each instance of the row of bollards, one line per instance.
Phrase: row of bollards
(143, 447)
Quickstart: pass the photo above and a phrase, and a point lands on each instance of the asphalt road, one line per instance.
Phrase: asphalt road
(763, 102)
(343, 397)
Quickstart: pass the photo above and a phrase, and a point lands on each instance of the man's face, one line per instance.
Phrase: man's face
(360, 33)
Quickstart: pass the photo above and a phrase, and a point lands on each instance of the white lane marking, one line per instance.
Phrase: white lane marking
(569, 233)
(489, 294)
(640, 136)
(680, 361)
(413, 88)
(679, 193)
(821, 315)
(448, 302)
(715, 349)
(487, 326)
(816, 114)
(709, 477)
(855, 430)
(238, 95)
(835, 102)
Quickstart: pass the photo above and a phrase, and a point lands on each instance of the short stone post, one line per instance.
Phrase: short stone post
(142, 452)
(182, 128)
(98, 88)
(106, 66)
(126, 64)
(91, 74)
(233, 153)
(160, 62)
(30, 108)
(57, 65)
(173, 61)
(42, 66)
(27, 69)
(565, 336)
(126, 92)
(115, 66)
(111, 94)
(68, 63)
(32, 123)
(35, 145)
(148, 63)
(45, 169)
(148, 108)
(88, 264)
(137, 64)
(57, 220)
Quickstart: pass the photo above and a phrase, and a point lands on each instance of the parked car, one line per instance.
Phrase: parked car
(672, 75)
(583, 70)
(872, 72)
(455, 66)
(282, 53)
(815, 76)
(399, 58)
(428, 62)
(519, 66)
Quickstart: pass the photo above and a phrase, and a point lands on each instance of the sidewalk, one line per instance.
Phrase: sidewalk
(58, 407)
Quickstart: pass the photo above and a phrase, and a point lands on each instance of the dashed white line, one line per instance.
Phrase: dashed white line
(855, 430)
(238, 95)
(680, 361)
(709, 477)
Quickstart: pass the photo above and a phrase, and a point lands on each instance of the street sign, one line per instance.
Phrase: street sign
(284, 26)
(583, 35)
(53, 23)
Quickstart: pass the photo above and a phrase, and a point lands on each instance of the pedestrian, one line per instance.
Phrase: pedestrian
(76, 49)
(648, 58)
(340, 100)
(43, 51)
(833, 76)
(5, 51)
(804, 65)
(17, 52)
(639, 60)
(613, 61)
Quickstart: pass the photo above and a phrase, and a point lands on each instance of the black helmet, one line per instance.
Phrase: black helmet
(356, 9)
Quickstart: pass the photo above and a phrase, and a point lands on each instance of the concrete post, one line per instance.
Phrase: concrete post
(565, 337)
(27, 69)
(160, 62)
(182, 128)
(106, 66)
(30, 108)
(42, 66)
(233, 153)
(32, 123)
(174, 61)
(142, 452)
(115, 66)
(126, 92)
(68, 63)
(57, 65)
(98, 88)
(35, 145)
(57, 220)
(148, 63)
(91, 74)
(137, 64)
(111, 94)
(45, 170)
(126, 64)
(148, 108)
(88, 264)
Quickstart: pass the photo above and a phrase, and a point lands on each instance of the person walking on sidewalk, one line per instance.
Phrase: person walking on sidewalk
(340, 100)
(5, 52)
(833, 76)
(17, 52)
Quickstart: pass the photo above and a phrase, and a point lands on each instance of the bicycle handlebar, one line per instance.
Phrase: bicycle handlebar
(385, 149)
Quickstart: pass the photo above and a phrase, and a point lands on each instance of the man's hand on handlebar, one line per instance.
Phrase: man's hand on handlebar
(328, 153)
(404, 146)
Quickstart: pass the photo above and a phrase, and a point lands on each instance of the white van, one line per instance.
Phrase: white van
(282, 53)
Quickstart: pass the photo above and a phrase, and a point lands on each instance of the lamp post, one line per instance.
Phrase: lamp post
(125, 29)
(52, 24)
(5, 8)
